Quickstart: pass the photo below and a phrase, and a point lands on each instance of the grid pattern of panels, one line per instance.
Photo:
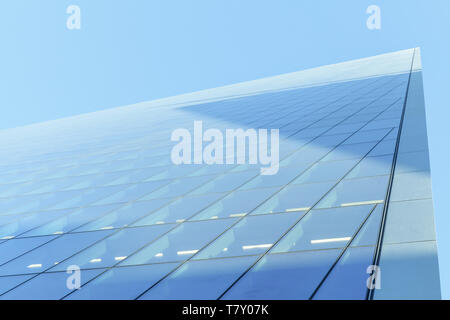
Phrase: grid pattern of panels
(101, 192)
(409, 242)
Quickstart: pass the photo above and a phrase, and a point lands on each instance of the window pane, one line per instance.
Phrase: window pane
(288, 276)
(7, 283)
(367, 136)
(294, 198)
(252, 235)
(179, 210)
(349, 151)
(71, 221)
(115, 248)
(226, 182)
(15, 247)
(47, 286)
(368, 235)
(180, 243)
(322, 229)
(356, 191)
(124, 283)
(51, 253)
(133, 192)
(124, 215)
(178, 187)
(284, 176)
(372, 166)
(199, 280)
(24, 223)
(326, 171)
(348, 280)
(383, 148)
(236, 204)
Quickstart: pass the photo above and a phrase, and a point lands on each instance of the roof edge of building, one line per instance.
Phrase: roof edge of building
(394, 63)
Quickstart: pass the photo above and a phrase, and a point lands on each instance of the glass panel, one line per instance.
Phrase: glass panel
(252, 235)
(411, 186)
(283, 176)
(133, 192)
(227, 182)
(13, 248)
(28, 222)
(115, 248)
(235, 204)
(368, 235)
(172, 172)
(412, 161)
(409, 221)
(383, 148)
(348, 280)
(200, 280)
(8, 283)
(47, 286)
(356, 192)
(82, 198)
(288, 276)
(372, 166)
(349, 151)
(125, 215)
(326, 171)
(322, 229)
(417, 261)
(71, 221)
(124, 283)
(294, 198)
(347, 128)
(179, 187)
(51, 253)
(180, 243)
(380, 124)
(179, 210)
(213, 169)
(367, 136)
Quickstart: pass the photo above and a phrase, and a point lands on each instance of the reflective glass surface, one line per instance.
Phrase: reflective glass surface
(102, 192)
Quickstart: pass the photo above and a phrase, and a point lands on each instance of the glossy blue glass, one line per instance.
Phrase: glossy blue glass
(348, 279)
(236, 204)
(122, 283)
(115, 248)
(51, 253)
(326, 171)
(288, 276)
(179, 210)
(372, 166)
(72, 220)
(294, 198)
(180, 243)
(356, 191)
(200, 280)
(251, 236)
(323, 229)
(15, 247)
(46, 286)
(124, 215)
(101, 191)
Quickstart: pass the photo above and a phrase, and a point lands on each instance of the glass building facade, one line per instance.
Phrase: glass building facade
(351, 199)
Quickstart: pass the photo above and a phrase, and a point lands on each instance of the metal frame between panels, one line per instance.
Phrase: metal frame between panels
(377, 255)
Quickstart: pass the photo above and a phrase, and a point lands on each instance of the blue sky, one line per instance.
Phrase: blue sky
(134, 50)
